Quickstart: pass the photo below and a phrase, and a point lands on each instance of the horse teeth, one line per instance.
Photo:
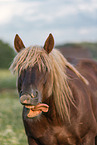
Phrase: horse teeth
(30, 107)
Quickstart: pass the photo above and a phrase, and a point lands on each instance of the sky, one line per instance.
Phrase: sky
(33, 20)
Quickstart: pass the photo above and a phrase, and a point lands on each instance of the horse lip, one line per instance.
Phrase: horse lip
(42, 107)
(29, 106)
(39, 106)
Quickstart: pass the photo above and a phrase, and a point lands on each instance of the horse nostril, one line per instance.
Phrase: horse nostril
(34, 94)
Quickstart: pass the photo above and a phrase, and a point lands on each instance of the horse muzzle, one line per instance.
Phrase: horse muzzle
(34, 108)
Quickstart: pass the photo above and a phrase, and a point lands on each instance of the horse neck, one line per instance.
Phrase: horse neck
(52, 114)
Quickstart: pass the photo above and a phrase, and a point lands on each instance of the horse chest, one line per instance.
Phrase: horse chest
(45, 134)
(57, 136)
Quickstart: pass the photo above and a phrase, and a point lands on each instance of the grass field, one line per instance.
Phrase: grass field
(11, 126)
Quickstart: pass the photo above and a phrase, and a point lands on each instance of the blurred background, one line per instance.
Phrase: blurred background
(73, 24)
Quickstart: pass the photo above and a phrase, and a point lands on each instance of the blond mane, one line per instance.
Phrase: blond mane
(55, 64)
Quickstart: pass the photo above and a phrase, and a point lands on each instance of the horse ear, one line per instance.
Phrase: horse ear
(49, 43)
(18, 43)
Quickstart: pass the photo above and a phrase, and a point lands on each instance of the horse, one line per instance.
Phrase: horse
(59, 98)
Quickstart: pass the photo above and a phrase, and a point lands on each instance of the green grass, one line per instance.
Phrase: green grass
(7, 80)
(11, 126)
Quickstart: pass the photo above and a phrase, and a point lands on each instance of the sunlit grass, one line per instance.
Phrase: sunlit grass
(11, 126)
(7, 80)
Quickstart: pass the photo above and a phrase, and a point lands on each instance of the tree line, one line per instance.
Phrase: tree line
(6, 55)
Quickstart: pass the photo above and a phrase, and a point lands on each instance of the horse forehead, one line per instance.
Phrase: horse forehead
(32, 74)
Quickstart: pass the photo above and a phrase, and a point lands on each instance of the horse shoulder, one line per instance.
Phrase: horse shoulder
(85, 97)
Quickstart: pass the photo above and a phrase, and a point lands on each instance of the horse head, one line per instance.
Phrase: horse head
(32, 81)
(41, 74)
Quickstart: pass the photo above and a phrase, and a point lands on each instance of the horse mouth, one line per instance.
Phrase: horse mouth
(36, 110)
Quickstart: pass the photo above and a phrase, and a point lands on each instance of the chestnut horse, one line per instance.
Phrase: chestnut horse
(59, 100)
